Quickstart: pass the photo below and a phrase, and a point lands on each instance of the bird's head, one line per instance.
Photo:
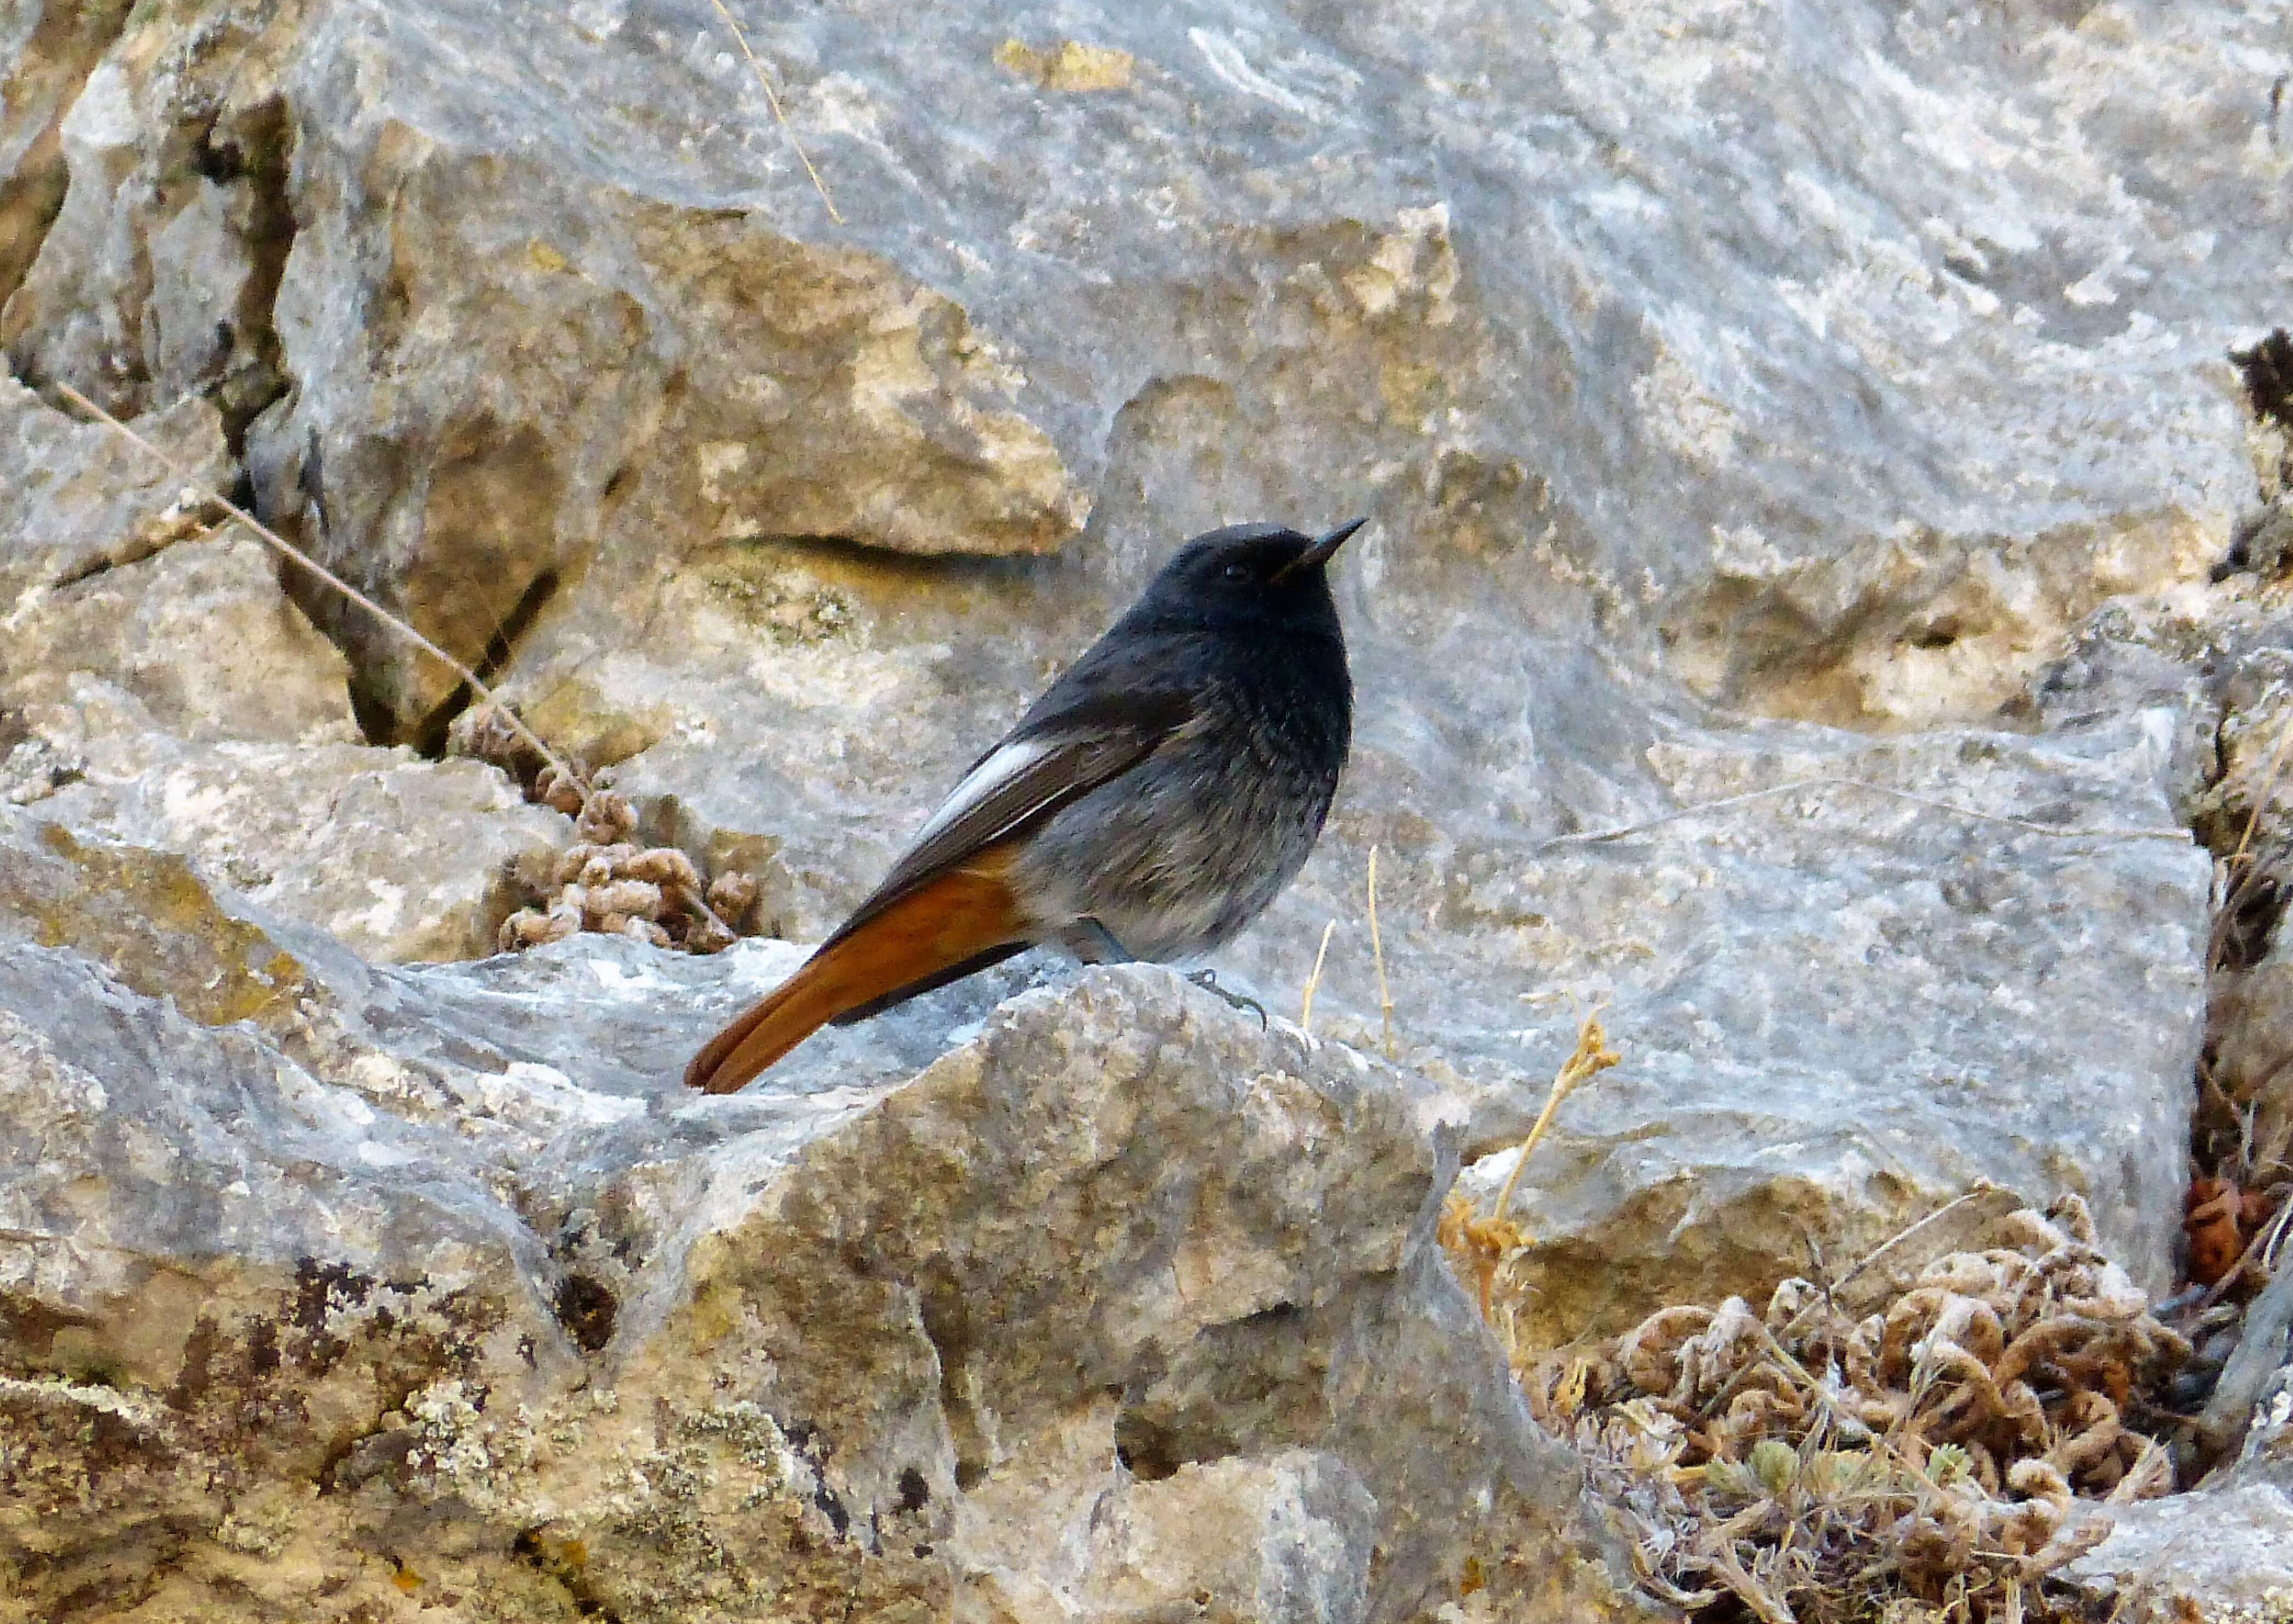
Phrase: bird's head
(1252, 572)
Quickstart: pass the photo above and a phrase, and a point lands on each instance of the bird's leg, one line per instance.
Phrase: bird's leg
(1207, 980)
(1094, 944)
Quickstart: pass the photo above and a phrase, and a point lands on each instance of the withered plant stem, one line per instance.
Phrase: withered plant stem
(1590, 1057)
(772, 101)
(207, 493)
(1377, 955)
(1980, 1189)
(1314, 981)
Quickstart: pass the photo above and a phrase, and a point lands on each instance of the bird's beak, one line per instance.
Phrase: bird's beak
(1315, 557)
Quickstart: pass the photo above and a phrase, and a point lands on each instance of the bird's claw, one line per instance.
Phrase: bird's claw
(1207, 980)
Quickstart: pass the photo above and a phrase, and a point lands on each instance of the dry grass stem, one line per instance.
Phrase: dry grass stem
(772, 101)
(1314, 981)
(1593, 837)
(1377, 957)
(1485, 1244)
(1590, 1057)
(288, 549)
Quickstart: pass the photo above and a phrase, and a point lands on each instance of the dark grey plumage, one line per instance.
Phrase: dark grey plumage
(1248, 683)
(1149, 805)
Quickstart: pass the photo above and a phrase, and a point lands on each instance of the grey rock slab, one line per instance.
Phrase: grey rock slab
(201, 633)
(1845, 978)
(398, 857)
(1846, 407)
(114, 569)
(1883, 968)
(2218, 1557)
(142, 1140)
(443, 1257)
(1289, 1537)
(154, 272)
(47, 48)
(76, 500)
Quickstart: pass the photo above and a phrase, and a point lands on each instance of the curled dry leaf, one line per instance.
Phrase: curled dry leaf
(608, 882)
(1931, 1457)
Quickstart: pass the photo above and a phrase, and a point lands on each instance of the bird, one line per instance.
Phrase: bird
(1156, 799)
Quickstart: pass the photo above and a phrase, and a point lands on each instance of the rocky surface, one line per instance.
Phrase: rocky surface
(157, 685)
(401, 858)
(1797, 445)
(436, 1279)
(2224, 1557)
(525, 403)
(199, 636)
(82, 501)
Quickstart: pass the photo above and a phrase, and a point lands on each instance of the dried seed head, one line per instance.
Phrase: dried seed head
(732, 893)
(554, 789)
(663, 865)
(607, 819)
(705, 934)
(628, 899)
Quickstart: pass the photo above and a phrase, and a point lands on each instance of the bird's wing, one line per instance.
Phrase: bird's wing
(1048, 760)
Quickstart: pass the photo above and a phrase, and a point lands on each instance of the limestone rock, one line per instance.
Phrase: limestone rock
(534, 396)
(1696, 364)
(116, 569)
(1116, 1264)
(2223, 1556)
(400, 859)
(76, 500)
(1865, 974)
(1291, 1537)
(201, 633)
(157, 685)
(159, 929)
(154, 276)
(1273, 260)
(48, 48)
(700, 376)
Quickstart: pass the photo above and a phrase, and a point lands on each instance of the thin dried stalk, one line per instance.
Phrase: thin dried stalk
(772, 101)
(1590, 1057)
(1377, 954)
(280, 543)
(1314, 981)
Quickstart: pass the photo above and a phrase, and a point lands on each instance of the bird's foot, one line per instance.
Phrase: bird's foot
(1207, 980)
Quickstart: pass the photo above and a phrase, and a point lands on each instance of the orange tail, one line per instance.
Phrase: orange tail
(955, 917)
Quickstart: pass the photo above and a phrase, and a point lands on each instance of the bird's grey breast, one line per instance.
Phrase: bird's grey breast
(1177, 855)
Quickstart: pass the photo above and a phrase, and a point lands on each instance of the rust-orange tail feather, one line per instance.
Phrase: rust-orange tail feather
(949, 919)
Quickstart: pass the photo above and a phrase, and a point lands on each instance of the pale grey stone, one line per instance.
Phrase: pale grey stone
(453, 1246)
(76, 500)
(201, 633)
(1695, 363)
(400, 859)
(2220, 1557)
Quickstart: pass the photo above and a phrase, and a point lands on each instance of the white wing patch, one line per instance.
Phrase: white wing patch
(989, 775)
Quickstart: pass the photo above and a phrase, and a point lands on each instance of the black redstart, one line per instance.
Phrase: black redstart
(1148, 805)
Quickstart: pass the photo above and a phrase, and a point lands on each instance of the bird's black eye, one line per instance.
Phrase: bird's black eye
(1236, 571)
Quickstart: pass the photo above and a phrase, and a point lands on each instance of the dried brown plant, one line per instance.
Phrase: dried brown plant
(1922, 1456)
